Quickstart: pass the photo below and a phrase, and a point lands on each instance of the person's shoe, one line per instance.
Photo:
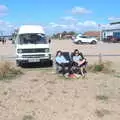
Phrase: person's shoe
(83, 76)
(84, 70)
(66, 75)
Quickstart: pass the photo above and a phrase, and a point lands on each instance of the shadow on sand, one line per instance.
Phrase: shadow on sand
(37, 65)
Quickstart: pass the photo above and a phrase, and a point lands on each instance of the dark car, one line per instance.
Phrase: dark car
(112, 39)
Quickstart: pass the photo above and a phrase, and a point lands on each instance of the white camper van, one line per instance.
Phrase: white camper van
(32, 45)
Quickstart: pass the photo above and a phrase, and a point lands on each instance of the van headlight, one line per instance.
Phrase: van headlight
(19, 51)
(49, 56)
(19, 56)
(46, 50)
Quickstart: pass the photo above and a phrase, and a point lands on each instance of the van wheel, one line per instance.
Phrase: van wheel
(18, 64)
(50, 63)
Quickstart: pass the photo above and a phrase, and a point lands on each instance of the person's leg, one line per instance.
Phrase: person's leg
(75, 68)
(82, 73)
(63, 68)
(69, 68)
(65, 71)
(83, 66)
(84, 69)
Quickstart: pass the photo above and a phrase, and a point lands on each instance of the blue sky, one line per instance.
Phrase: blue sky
(58, 15)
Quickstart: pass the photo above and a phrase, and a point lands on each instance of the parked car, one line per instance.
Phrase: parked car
(112, 39)
(80, 39)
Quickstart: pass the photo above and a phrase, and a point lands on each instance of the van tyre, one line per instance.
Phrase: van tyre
(50, 63)
(18, 64)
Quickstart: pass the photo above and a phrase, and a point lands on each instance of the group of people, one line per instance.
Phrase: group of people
(75, 67)
(3, 40)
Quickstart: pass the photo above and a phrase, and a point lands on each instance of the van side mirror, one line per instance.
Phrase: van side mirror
(49, 41)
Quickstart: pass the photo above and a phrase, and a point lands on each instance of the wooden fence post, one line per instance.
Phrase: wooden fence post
(100, 58)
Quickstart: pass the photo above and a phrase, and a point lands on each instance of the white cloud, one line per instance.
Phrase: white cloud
(3, 10)
(69, 19)
(87, 26)
(80, 10)
(78, 27)
(114, 18)
(54, 25)
(6, 27)
(90, 23)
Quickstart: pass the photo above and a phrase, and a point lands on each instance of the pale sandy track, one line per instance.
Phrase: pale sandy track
(45, 95)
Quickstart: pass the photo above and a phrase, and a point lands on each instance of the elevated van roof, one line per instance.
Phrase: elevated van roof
(31, 29)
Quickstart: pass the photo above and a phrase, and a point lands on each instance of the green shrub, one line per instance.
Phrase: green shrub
(98, 68)
(104, 67)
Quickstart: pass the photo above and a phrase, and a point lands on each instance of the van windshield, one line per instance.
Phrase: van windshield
(32, 39)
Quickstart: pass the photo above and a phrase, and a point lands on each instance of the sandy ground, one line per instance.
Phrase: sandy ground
(41, 94)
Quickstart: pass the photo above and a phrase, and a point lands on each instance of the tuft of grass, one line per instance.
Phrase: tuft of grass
(28, 117)
(117, 75)
(102, 97)
(101, 113)
(35, 80)
(4, 68)
(7, 70)
(5, 93)
(104, 67)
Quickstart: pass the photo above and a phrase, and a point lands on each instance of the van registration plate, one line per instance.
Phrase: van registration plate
(33, 60)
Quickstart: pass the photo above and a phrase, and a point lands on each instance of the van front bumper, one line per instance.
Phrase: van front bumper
(32, 59)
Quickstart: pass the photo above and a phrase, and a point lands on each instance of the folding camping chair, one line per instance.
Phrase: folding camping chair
(67, 57)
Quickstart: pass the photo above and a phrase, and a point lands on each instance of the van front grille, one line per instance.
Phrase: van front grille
(40, 50)
(33, 56)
